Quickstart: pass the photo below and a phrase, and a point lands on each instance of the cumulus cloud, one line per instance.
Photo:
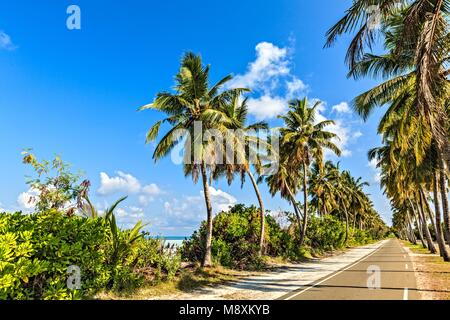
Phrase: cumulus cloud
(271, 62)
(127, 217)
(148, 194)
(295, 86)
(27, 200)
(221, 201)
(266, 107)
(271, 80)
(190, 210)
(6, 42)
(127, 183)
(341, 108)
(121, 183)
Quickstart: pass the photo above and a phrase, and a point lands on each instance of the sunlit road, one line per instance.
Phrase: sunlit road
(394, 281)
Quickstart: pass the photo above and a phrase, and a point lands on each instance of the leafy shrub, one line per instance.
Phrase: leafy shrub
(325, 234)
(235, 239)
(36, 251)
(153, 261)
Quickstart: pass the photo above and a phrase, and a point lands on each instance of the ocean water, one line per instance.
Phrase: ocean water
(176, 240)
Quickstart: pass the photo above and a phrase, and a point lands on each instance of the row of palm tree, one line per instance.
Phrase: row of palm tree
(414, 158)
(299, 161)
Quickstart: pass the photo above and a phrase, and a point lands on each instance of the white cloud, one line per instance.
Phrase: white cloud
(341, 108)
(27, 200)
(191, 210)
(373, 164)
(343, 133)
(221, 201)
(149, 192)
(6, 42)
(295, 86)
(127, 217)
(377, 172)
(270, 62)
(271, 81)
(121, 183)
(126, 183)
(1, 207)
(267, 107)
(357, 134)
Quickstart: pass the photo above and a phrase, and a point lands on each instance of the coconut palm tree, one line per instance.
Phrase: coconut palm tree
(304, 139)
(243, 140)
(286, 181)
(193, 104)
(417, 32)
(321, 188)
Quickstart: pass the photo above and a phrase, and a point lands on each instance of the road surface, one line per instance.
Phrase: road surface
(388, 271)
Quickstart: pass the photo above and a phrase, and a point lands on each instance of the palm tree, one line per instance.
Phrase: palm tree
(416, 122)
(286, 182)
(192, 103)
(303, 140)
(243, 140)
(322, 189)
(416, 34)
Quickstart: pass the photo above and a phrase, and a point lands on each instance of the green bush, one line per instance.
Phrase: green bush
(36, 251)
(235, 239)
(155, 262)
(325, 234)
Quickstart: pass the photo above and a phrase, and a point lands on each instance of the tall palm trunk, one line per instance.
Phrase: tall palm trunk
(262, 212)
(207, 259)
(411, 229)
(417, 222)
(427, 209)
(426, 231)
(296, 209)
(439, 236)
(445, 210)
(305, 206)
(346, 222)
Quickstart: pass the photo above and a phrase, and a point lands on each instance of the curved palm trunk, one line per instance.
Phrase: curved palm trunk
(427, 209)
(439, 236)
(411, 229)
(445, 211)
(426, 231)
(412, 236)
(417, 223)
(261, 208)
(305, 206)
(207, 260)
(296, 209)
(346, 223)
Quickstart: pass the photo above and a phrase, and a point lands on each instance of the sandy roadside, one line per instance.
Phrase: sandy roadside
(432, 274)
(274, 284)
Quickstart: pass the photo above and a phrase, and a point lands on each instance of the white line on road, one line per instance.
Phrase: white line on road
(405, 294)
(335, 274)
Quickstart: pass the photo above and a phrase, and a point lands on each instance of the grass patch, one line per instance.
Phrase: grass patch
(188, 280)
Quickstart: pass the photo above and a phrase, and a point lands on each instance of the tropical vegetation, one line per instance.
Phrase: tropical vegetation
(413, 65)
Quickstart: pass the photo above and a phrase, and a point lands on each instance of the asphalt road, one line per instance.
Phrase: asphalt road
(384, 274)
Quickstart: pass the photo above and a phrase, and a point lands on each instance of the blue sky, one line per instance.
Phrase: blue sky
(75, 92)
